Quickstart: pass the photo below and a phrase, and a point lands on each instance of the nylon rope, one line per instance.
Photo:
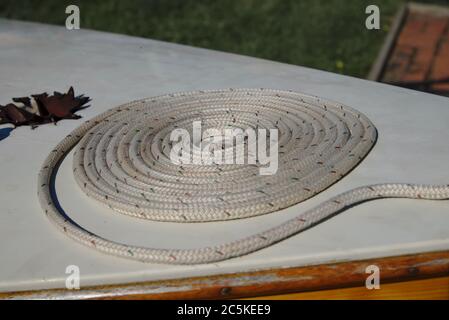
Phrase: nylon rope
(122, 159)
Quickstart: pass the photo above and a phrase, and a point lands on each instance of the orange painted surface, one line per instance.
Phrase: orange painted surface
(421, 51)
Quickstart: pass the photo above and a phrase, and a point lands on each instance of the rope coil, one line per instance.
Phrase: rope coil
(123, 161)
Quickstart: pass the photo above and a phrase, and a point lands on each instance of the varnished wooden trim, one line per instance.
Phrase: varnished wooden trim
(427, 289)
(262, 283)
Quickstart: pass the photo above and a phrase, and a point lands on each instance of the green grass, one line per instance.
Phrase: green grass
(323, 34)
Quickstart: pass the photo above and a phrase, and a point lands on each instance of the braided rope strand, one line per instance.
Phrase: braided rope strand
(122, 159)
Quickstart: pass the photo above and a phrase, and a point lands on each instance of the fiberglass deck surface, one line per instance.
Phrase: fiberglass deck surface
(113, 69)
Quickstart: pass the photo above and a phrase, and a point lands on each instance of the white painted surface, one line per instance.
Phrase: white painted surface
(113, 69)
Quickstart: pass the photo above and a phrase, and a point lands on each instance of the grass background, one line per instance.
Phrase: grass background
(322, 34)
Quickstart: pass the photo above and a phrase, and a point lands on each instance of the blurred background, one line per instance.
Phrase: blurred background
(324, 34)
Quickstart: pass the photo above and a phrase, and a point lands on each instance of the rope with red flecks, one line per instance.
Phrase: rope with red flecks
(123, 160)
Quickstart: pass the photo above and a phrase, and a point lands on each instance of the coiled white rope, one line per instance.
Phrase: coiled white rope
(122, 160)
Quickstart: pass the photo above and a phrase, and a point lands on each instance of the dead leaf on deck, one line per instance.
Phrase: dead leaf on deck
(42, 108)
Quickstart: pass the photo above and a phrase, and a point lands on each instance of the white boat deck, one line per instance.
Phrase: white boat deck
(113, 69)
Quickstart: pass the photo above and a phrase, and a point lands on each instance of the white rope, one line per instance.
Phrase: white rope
(122, 160)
